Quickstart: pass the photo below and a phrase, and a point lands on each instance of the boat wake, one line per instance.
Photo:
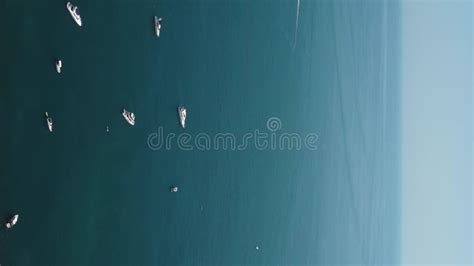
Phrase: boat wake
(296, 23)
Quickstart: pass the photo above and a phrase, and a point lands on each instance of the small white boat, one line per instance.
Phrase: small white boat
(157, 26)
(182, 116)
(59, 64)
(74, 11)
(12, 221)
(49, 122)
(129, 117)
(174, 189)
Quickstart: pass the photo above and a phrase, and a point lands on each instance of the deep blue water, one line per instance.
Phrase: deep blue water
(88, 197)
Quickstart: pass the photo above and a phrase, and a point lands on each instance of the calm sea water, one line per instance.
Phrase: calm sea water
(88, 197)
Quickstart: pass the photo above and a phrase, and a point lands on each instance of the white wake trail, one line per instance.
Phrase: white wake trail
(297, 22)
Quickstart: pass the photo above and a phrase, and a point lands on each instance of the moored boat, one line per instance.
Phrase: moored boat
(59, 65)
(129, 117)
(12, 221)
(182, 116)
(49, 122)
(157, 26)
(74, 11)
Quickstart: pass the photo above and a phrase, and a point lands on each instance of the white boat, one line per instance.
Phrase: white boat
(157, 26)
(74, 11)
(174, 189)
(59, 64)
(12, 221)
(129, 117)
(182, 116)
(49, 122)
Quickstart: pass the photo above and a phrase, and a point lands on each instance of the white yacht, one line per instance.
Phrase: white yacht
(157, 26)
(12, 221)
(182, 116)
(129, 117)
(49, 121)
(174, 189)
(59, 64)
(74, 11)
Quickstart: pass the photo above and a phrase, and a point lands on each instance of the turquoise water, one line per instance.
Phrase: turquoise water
(88, 197)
